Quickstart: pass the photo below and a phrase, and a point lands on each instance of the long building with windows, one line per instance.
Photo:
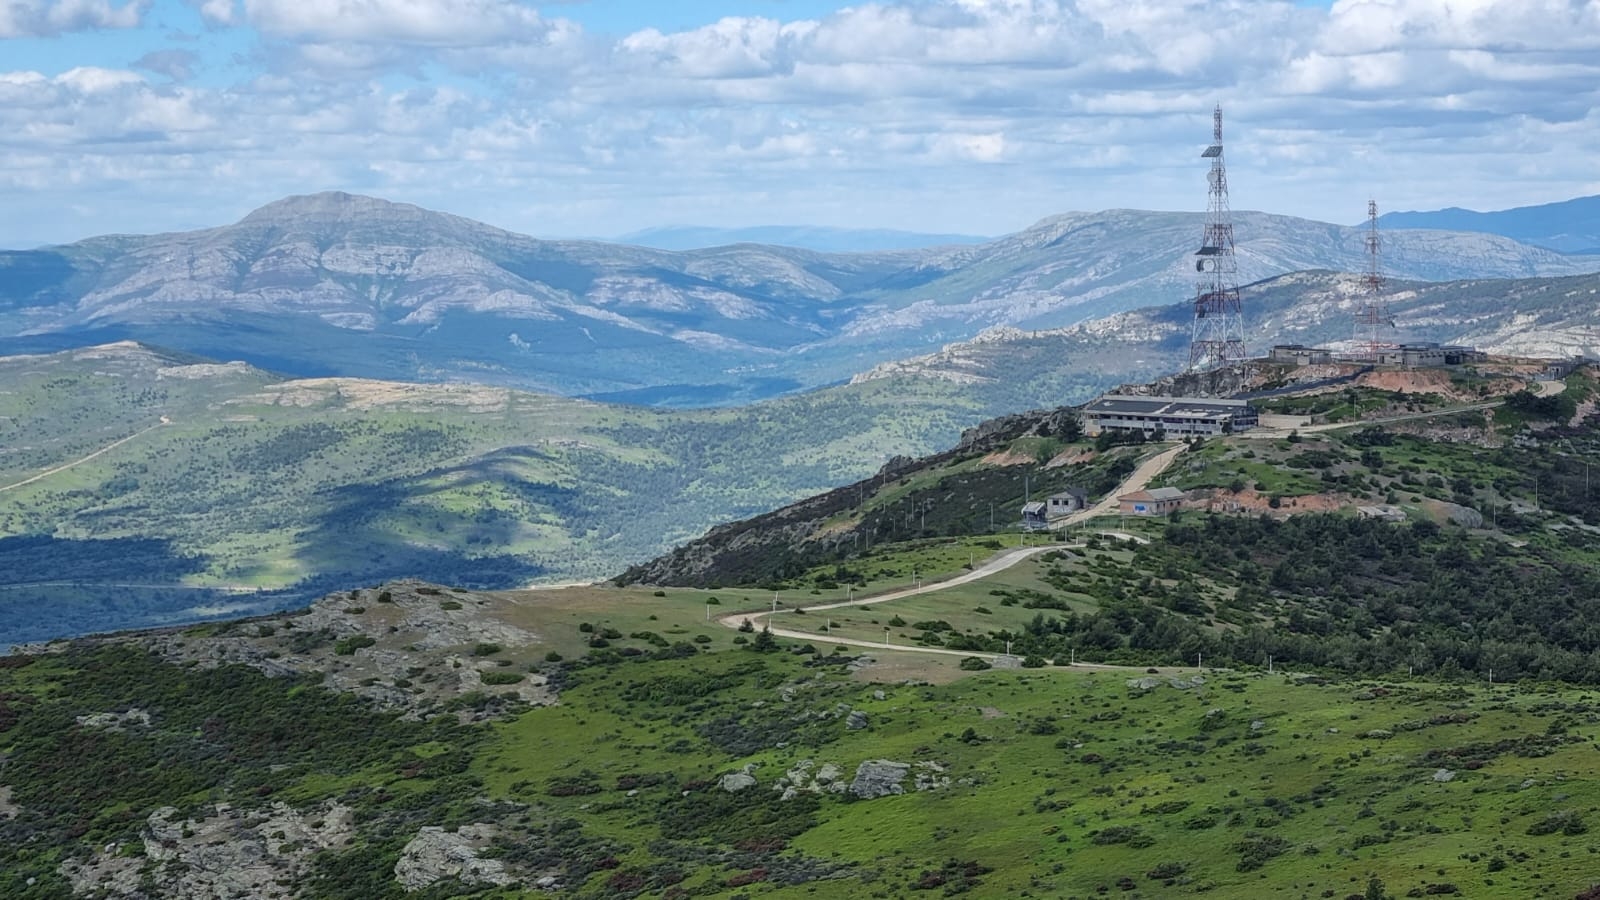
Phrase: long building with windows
(1172, 417)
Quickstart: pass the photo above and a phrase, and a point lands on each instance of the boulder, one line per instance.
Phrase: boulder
(436, 854)
(734, 782)
(879, 778)
(856, 721)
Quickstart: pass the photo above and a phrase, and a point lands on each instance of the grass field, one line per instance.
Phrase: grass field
(1068, 783)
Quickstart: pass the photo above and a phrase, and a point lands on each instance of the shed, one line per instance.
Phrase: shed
(1152, 502)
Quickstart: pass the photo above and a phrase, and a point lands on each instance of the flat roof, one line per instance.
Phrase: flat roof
(1161, 493)
(1174, 407)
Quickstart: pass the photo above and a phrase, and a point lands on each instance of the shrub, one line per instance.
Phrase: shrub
(1567, 822)
(348, 646)
(1166, 870)
(486, 649)
(974, 664)
(501, 677)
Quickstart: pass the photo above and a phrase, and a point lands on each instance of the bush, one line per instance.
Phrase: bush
(501, 677)
(348, 646)
(974, 664)
(486, 649)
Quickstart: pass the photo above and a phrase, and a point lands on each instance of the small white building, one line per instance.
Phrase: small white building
(1066, 503)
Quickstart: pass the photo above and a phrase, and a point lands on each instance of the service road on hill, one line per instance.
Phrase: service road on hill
(1136, 480)
(81, 460)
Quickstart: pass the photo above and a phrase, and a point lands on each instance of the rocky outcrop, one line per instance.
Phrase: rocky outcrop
(879, 778)
(231, 854)
(436, 854)
(405, 645)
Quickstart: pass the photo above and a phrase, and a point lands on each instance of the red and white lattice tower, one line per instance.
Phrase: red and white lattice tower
(1374, 323)
(1217, 339)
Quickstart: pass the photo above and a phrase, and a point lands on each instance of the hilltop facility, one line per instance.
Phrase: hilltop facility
(1172, 417)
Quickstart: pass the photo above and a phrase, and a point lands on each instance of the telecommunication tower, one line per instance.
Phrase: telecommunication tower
(1217, 339)
(1373, 319)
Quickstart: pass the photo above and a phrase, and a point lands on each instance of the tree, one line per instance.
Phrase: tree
(764, 642)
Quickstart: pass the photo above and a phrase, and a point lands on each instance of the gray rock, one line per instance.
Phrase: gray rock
(879, 778)
(856, 721)
(1444, 775)
(931, 776)
(878, 695)
(435, 854)
(733, 782)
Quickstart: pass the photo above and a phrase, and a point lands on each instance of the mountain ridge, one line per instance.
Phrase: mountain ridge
(341, 284)
(1568, 226)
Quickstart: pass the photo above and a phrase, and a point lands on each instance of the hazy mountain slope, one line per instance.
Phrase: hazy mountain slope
(1544, 317)
(335, 284)
(810, 237)
(1570, 226)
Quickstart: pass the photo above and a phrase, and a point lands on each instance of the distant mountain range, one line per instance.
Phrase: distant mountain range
(807, 237)
(1570, 226)
(1535, 317)
(336, 284)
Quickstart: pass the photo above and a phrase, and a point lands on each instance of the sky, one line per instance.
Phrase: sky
(603, 117)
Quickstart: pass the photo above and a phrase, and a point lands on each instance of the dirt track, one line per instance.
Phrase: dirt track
(1136, 480)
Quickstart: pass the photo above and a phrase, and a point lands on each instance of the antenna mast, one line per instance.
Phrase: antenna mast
(1217, 339)
(1373, 316)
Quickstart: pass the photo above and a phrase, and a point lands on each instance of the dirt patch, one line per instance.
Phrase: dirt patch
(357, 393)
(1416, 381)
(912, 668)
(1006, 458)
(1255, 503)
(1071, 458)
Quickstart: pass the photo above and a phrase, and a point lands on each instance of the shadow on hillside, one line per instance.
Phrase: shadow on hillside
(358, 537)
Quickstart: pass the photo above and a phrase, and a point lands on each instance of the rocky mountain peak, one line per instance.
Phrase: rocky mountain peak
(336, 215)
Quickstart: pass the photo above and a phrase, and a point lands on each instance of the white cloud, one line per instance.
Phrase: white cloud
(951, 114)
(422, 22)
(44, 18)
(217, 12)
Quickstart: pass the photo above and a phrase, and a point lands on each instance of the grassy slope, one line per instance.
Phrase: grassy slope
(1064, 782)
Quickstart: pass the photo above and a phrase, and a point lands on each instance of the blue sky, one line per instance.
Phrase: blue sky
(603, 117)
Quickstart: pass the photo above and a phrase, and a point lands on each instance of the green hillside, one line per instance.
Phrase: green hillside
(1282, 699)
(139, 488)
